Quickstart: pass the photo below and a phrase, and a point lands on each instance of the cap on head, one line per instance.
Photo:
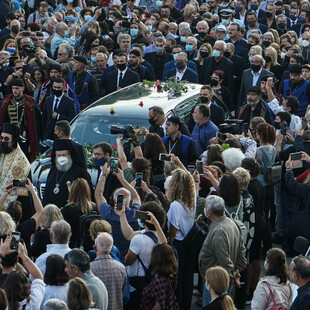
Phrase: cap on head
(255, 90)
(295, 69)
(81, 59)
(11, 129)
(18, 82)
(175, 120)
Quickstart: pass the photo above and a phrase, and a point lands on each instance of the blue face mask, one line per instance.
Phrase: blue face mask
(225, 22)
(290, 66)
(69, 1)
(175, 56)
(87, 18)
(93, 59)
(149, 28)
(254, 7)
(216, 53)
(11, 50)
(250, 59)
(66, 33)
(183, 39)
(301, 19)
(133, 32)
(188, 48)
(238, 8)
(99, 162)
(159, 4)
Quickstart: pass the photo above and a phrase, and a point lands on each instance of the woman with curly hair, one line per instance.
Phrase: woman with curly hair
(274, 290)
(181, 194)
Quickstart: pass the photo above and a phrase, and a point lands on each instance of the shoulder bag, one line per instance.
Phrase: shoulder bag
(275, 306)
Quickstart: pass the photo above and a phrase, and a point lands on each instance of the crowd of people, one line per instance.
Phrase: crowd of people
(209, 194)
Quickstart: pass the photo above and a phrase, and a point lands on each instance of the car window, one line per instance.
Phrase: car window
(92, 129)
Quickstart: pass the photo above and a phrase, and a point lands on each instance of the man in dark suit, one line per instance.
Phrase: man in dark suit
(121, 77)
(182, 72)
(303, 19)
(252, 77)
(158, 58)
(218, 62)
(172, 64)
(57, 107)
(158, 119)
(252, 24)
(269, 21)
(128, 7)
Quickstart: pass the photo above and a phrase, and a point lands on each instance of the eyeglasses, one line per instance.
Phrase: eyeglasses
(6, 139)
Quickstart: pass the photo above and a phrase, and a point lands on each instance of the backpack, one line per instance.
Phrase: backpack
(84, 237)
(239, 223)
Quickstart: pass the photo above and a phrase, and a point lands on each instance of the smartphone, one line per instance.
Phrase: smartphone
(119, 202)
(26, 33)
(245, 128)
(304, 123)
(25, 68)
(191, 168)
(19, 183)
(199, 167)
(221, 136)
(15, 240)
(12, 61)
(142, 215)
(139, 176)
(283, 128)
(164, 157)
(296, 156)
(113, 164)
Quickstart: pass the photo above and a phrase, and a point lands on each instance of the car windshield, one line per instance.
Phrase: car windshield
(92, 129)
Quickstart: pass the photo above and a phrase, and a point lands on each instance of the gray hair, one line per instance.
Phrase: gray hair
(203, 22)
(231, 45)
(55, 304)
(78, 258)
(126, 199)
(157, 110)
(124, 36)
(222, 43)
(61, 231)
(183, 54)
(48, 21)
(257, 49)
(215, 204)
(104, 242)
(102, 54)
(161, 40)
(68, 49)
(59, 26)
(58, 14)
(7, 224)
(193, 38)
(187, 30)
(5, 53)
(262, 60)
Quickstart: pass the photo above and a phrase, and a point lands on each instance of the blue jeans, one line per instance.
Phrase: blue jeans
(207, 294)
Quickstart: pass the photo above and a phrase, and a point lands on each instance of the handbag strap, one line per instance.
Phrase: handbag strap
(274, 302)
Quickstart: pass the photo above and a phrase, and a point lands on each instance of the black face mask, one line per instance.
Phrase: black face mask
(282, 26)
(255, 68)
(268, 58)
(278, 12)
(276, 125)
(204, 54)
(214, 82)
(227, 54)
(202, 12)
(268, 14)
(214, 22)
(122, 67)
(15, 29)
(152, 121)
(252, 23)
(57, 92)
(266, 43)
(168, 49)
(202, 33)
(204, 99)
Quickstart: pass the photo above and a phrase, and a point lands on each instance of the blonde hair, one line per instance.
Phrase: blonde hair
(7, 224)
(80, 195)
(51, 213)
(256, 49)
(273, 55)
(98, 226)
(218, 279)
(182, 187)
(243, 177)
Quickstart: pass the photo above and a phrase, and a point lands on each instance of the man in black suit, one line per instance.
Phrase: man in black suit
(303, 19)
(269, 21)
(57, 107)
(252, 24)
(158, 58)
(121, 77)
(218, 62)
(158, 119)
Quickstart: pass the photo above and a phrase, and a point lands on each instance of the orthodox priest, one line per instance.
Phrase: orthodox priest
(14, 163)
(21, 110)
(66, 167)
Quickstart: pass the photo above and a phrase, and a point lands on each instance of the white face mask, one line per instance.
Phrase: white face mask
(283, 55)
(62, 160)
(265, 264)
(305, 43)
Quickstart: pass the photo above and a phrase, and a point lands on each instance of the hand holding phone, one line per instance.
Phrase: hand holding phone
(15, 240)
(199, 167)
(142, 215)
(119, 202)
(139, 176)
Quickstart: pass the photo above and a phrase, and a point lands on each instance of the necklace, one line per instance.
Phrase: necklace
(56, 188)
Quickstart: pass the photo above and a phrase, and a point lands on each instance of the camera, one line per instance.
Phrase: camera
(29, 50)
(127, 132)
(125, 23)
(19, 183)
(233, 126)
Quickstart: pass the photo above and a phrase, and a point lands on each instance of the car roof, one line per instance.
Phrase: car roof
(135, 101)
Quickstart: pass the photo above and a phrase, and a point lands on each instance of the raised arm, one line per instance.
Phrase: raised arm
(100, 187)
(121, 154)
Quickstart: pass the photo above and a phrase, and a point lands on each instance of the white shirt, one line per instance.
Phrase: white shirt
(163, 126)
(179, 75)
(256, 76)
(180, 219)
(58, 292)
(118, 75)
(60, 249)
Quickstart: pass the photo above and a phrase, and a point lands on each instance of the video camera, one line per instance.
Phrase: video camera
(128, 132)
(233, 126)
(125, 23)
(29, 50)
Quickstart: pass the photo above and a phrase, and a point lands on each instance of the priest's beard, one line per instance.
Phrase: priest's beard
(66, 167)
